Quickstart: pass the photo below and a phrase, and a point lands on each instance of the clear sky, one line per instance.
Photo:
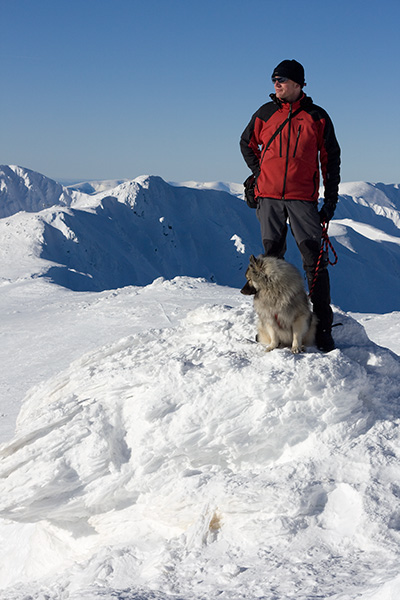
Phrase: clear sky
(105, 89)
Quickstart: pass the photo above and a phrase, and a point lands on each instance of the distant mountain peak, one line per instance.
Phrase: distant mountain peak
(22, 189)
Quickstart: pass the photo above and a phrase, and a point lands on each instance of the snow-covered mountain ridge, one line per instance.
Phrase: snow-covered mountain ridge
(146, 228)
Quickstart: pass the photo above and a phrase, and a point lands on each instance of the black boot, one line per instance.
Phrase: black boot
(324, 340)
(320, 289)
(321, 300)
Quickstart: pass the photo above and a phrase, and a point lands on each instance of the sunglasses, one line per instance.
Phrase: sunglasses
(280, 79)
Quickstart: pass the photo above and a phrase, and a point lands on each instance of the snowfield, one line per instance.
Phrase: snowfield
(159, 452)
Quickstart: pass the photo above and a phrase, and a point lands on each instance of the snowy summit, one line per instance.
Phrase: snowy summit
(159, 452)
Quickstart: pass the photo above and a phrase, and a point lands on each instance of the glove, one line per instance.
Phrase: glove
(249, 186)
(327, 211)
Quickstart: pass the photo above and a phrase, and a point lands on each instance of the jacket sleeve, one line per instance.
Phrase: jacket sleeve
(250, 148)
(330, 161)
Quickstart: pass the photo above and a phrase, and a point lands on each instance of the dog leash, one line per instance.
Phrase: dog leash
(326, 244)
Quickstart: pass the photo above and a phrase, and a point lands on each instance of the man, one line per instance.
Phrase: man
(286, 143)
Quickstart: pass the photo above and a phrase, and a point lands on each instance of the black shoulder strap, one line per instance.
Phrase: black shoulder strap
(277, 132)
(281, 126)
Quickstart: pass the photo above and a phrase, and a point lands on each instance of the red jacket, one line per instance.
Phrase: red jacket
(289, 168)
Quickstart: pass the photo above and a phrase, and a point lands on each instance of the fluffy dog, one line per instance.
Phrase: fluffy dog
(281, 304)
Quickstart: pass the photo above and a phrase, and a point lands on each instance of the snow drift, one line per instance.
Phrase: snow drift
(186, 461)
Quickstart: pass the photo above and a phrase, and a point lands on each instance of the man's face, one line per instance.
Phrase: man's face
(288, 91)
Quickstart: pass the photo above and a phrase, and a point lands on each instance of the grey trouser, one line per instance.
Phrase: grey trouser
(304, 222)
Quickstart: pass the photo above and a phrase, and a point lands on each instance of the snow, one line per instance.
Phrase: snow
(236, 189)
(23, 189)
(158, 451)
(94, 187)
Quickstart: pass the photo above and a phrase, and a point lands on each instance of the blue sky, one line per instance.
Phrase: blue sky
(100, 89)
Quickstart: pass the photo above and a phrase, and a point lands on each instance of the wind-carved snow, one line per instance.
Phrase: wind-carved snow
(187, 461)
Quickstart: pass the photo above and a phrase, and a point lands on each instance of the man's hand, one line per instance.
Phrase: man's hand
(327, 211)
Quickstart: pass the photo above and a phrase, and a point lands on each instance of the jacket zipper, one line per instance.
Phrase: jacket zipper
(297, 141)
(315, 177)
(287, 154)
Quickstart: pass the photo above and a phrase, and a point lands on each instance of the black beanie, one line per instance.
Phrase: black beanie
(291, 69)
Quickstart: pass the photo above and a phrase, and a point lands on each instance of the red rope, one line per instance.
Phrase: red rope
(325, 245)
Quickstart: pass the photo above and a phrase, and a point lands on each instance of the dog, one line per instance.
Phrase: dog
(281, 304)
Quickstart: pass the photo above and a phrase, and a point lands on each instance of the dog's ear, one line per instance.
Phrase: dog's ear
(248, 289)
(256, 261)
(253, 260)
